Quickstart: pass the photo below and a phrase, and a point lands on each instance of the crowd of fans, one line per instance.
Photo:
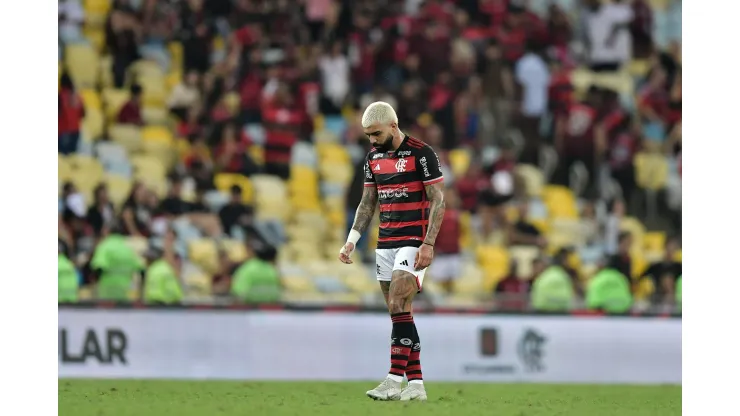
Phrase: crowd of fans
(585, 93)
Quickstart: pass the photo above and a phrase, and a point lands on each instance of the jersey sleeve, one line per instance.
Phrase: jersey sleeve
(369, 175)
(429, 166)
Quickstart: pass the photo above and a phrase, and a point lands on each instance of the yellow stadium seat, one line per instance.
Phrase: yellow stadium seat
(654, 241)
(495, 262)
(459, 161)
(144, 68)
(119, 188)
(332, 152)
(198, 284)
(164, 152)
(224, 182)
(298, 284)
(203, 252)
(236, 250)
(470, 281)
(105, 72)
(95, 35)
(524, 256)
(82, 62)
(257, 153)
(155, 116)
(86, 164)
(91, 99)
(146, 166)
(157, 134)
(639, 265)
(93, 125)
(560, 202)
(532, 178)
(635, 228)
(127, 136)
(651, 170)
(154, 91)
(114, 99)
(638, 68)
(138, 244)
(644, 288)
(64, 169)
(176, 53)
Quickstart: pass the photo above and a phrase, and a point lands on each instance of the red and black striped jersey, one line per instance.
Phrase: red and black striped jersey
(400, 178)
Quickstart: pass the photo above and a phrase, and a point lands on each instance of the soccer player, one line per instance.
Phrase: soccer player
(404, 175)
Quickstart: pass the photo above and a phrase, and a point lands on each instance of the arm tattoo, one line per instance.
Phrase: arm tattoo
(366, 209)
(435, 194)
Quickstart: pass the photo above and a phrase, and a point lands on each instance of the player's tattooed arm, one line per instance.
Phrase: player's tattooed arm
(435, 195)
(366, 209)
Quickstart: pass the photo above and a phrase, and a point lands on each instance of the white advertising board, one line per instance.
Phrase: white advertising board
(192, 344)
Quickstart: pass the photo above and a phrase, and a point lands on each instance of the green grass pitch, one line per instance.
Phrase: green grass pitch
(205, 398)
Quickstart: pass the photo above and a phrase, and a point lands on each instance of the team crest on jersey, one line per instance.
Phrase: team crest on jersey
(401, 165)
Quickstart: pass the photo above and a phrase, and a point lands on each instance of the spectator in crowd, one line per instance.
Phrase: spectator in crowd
(69, 279)
(609, 291)
(498, 89)
(161, 282)
(665, 273)
(130, 113)
(136, 214)
(612, 226)
(621, 261)
(123, 33)
(447, 266)
(236, 213)
(185, 95)
(553, 290)
(335, 79)
(173, 204)
(116, 265)
(101, 215)
(533, 77)
(257, 280)
(231, 154)
(575, 138)
(71, 113)
(523, 232)
(71, 18)
(607, 34)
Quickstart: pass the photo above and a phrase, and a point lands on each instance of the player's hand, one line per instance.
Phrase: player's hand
(345, 252)
(424, 257)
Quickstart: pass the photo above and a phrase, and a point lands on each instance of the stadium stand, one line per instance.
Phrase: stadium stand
(245, 135)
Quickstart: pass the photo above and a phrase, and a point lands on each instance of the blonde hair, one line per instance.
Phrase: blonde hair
(379, 112)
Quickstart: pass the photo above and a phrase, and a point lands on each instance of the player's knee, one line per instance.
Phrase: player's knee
(396, 305)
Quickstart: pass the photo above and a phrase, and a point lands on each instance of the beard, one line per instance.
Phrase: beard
(386, 145)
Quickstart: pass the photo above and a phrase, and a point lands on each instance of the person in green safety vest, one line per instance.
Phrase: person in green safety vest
(678, 292)
(161, 282)
(257, 280)
(552, 290)
(609, 291)
(116, 264)
(69, 280)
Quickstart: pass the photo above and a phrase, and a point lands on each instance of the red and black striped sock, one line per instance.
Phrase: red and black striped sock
(401, 343)
(413, 369)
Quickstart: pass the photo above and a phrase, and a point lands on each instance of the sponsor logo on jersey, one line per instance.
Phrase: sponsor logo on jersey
(393, 193)
(424, 166)
(403, 153)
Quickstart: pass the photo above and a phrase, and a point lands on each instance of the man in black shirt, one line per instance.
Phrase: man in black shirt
(235, 213)
(173, 204)
(664, 273)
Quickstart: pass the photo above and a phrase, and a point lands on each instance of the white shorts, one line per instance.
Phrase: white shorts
(389, 259)
(446, 267)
